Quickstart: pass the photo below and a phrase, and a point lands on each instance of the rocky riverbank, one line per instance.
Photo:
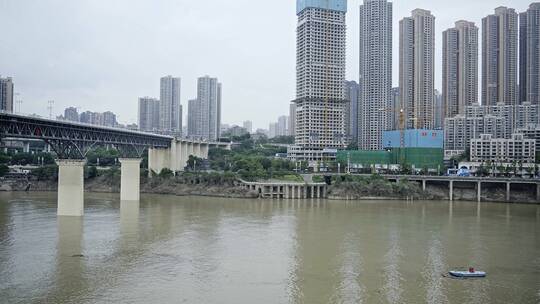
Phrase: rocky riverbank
(361, 188)
(171, 186)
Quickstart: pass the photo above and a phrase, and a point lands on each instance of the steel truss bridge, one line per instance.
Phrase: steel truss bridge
(71, 140)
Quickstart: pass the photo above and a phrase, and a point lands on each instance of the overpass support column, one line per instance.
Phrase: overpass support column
(130, 179)
(479, 189)
(423, 185)
(70, 187)
(507, 192)
(451, 195)
(538, 193)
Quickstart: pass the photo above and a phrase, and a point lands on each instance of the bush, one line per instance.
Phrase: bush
(166, 173)
(49, 172)
(90, 172)
(3, 169)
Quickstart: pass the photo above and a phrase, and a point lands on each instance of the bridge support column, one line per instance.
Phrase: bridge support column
(423, 185)
(479, 189)
(538, 193)
(70, 187)
(507, 192)
(451, 195)
(130, 179)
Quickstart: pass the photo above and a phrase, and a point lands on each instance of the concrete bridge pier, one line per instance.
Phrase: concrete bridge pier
(507, 192)
(130, 179)
(70, 187)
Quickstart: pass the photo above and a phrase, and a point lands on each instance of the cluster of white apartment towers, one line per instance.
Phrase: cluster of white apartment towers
(320, 68)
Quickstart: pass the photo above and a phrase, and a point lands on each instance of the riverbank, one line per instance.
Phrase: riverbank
(156, 185)
(215, 185)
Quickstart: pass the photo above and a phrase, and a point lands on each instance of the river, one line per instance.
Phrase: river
(169, 249)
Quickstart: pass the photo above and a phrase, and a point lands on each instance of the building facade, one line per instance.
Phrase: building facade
(149, 118)
(282, 126)
(499, 57)
(417, 68)
(516, 149)
(460, 68)
(204, 113)
(532, 132)
(170, 107)
(71, 114)
(248, 126)
(501, 121)
(292, 119)
(529, 54)
(6, 94)
(375, 72)
(193, 119)
(352, 91)
(320, 78)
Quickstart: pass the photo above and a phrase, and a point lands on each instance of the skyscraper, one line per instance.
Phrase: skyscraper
(320, 77)
(499, 57)
(170, 107)
(417, 68)
(352, 91)
(248, 125)
(6, 94)
(529, 54)
(460, 68)
(375, 72)
(282, 125)
(71, 114)
(394, 110)
(204, 113)
(108, 119)
(149, 119)
(292, 119)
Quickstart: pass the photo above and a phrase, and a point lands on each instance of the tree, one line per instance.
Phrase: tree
(3, 169)
(166, 173)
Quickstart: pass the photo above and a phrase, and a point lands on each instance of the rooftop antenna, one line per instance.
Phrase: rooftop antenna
(50, 107)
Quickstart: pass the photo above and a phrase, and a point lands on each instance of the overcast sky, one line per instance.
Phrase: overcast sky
(102, 55)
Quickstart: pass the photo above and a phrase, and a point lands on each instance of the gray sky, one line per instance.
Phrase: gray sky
(103, 54)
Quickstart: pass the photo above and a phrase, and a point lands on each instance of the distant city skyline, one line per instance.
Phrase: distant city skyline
(83, 73)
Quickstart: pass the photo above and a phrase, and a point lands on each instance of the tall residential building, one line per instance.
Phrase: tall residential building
(6, 94)
(282, 126)
(248, 125)
(352, 91)
(460, 68)
(375, 72)
(292, 119)
(149, 119)
(320, 78)
(438, 111)
(499, 57)
(529, 54)
(170, 107)
(109, 119)
(71, 114)
(193, 119)
(204, 113)
(394, 110)
(272, 130)
(417, 68)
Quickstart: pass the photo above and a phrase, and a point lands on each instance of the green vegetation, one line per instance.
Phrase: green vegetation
(23, 159)
(374, 185)
(252, 161)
